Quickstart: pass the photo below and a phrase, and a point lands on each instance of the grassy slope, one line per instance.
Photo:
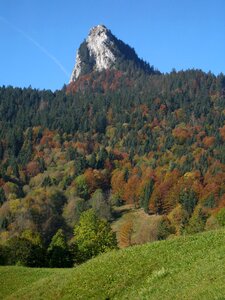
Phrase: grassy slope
(13, 279)
(183, 268)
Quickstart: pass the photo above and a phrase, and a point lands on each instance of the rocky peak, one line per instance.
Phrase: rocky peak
(100, 43)
(97, 53)
(98, 30)
(102, 50)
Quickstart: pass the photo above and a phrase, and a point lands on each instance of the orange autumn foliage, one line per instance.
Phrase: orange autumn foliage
(222, 132)
(182, 133)
(125, 234)
(208, 141)
(132, 190)
(118, 182)
(95, 179)
(33, 168)
(162, 199)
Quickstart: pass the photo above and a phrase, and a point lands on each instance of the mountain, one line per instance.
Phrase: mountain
(143, 150)
(102, 50)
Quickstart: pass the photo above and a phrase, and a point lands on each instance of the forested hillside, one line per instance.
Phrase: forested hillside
(111, 140)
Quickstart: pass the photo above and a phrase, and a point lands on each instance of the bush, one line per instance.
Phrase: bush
(115, 200)
(221, 217)
(197, 221)
(212, 223)
(3, 258)
(21, 251)
(165, 229)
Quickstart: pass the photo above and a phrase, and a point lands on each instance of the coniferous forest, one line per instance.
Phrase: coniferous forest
(77, 164)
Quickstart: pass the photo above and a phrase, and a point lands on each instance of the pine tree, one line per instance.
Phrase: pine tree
(2, 196)
(148, 189)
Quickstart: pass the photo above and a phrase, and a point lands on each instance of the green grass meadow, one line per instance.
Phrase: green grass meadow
(191, 267)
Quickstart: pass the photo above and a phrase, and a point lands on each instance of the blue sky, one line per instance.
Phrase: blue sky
(39, 38)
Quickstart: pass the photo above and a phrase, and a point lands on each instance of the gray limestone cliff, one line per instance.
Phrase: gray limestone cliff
(102, 50)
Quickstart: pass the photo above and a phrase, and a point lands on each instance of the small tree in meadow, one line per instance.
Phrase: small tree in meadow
(93, 235)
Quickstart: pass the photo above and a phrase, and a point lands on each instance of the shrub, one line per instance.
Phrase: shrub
(21, 251)
(221, 217)
(212, 223)
(165, 229)
(197, 221)
(3, 257)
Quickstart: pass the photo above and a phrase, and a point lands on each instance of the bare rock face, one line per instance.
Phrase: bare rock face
(102, 50)
(99, 43)
(77, 69)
